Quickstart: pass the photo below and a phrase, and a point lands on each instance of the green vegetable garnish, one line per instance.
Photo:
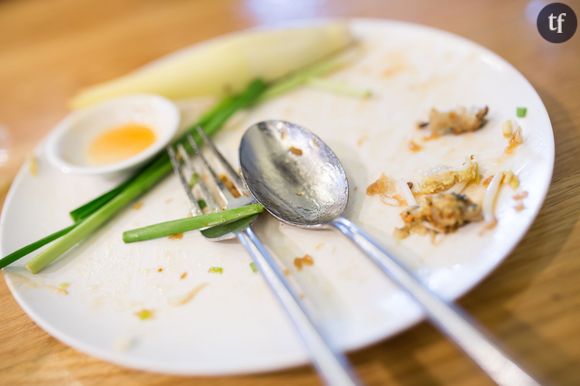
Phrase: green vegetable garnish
(521, 112)
(202, 204)
(193, 180)
(219, 270)
(169, 228)
(145, 314)
(253, 267)
(11, 258)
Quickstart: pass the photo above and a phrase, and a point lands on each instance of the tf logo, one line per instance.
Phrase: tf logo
(557, 22)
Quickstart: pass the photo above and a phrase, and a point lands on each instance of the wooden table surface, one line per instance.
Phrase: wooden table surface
(49, 49)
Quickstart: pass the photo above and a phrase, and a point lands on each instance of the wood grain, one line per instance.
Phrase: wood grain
(49, 49)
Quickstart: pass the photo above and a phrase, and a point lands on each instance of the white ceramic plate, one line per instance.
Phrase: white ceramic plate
(233, 324)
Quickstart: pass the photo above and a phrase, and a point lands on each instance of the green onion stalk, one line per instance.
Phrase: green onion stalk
(91, 216)
(173, 227)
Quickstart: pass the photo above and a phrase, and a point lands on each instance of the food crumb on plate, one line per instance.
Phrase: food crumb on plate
(485, 182)
(183, 276)
(145, 314)
(230, 186)
(253, 267)
(160, 269)
(444, 180)
(138, 205)
(520, 195)
(295, 150)
(176, 236)
(513, 133)
(489, 225)
(414, 146)
(511, 179)
(386, 189)
(381, 186)
(216, 269)
(300, 262)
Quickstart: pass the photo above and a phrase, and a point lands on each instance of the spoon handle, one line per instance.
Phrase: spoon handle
(330, 363)
(447, 317)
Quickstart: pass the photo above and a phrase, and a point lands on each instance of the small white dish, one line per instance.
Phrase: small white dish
(67, 147)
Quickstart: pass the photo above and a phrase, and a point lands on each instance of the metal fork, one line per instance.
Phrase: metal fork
(330, 363)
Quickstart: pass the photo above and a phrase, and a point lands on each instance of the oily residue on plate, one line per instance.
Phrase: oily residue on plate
(25, 281)
(189, 296)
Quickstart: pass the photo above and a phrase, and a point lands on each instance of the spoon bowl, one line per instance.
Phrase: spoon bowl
(293, 173)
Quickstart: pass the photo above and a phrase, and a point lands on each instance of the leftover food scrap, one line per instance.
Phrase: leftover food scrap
(219, 270)
(189, 296)
(439, 214)
(177, 236)
(145, 314)
(506, 177)
(386, 188)
(295, 150)
(458, 121)
(444, 180)
(513, 133)
(414, 146)
(230, 186)
(300, 262)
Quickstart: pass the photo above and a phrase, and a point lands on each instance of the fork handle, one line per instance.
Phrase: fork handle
(446, 316)
(330, 363)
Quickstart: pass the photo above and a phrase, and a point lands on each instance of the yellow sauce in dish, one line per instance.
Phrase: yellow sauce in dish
(120, 143)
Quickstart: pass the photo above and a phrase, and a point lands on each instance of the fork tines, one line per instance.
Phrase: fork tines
(208, 188)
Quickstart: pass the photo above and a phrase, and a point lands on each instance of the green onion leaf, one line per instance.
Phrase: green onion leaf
(169, 228)
(11, 258)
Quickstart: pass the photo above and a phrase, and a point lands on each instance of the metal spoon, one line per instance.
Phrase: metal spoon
(300, 181)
